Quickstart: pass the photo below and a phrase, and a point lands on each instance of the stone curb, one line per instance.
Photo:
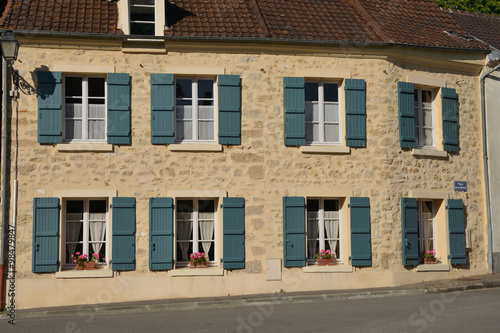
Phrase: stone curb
(90, 310)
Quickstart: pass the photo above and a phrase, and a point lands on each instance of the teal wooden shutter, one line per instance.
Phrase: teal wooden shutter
(406, 103)
(123, 255)
(450, 119)
(234, 233)
(45, 235)
(409, 231)
(456, 229)
(229, 109)
(49, 107)
(355, 110)
(294, 231)
(162, 109)
(361, 250)
(161, 246)
(294, 100)
(119, 108)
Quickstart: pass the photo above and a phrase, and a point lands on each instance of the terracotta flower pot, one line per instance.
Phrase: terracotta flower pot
(325, 262)
(89, 265)
(80, 267)
(430, 261)
(197, 264)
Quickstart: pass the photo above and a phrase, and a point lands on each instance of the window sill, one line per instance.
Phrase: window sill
(74, 274)
(429, 153)
(209, 271)
(327, 269)
(211, 147)
(433, 268)
(325, 150)
(89, 147)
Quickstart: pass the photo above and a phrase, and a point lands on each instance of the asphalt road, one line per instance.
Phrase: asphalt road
(470, 311)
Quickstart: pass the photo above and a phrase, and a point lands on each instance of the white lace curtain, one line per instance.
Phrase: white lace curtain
(207, 233)
(185, 229)
(313, 233)
(332, 229)
(97, 233)
(73, 233)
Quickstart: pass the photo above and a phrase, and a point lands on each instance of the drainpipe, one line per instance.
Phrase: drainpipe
(486, 172)
(5, 215)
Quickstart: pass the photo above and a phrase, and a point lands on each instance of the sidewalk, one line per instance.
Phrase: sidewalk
(432, 287)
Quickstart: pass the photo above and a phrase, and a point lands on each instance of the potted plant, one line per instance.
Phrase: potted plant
(429, 257)
(90, 264)
(325, 258)
(198, 259)
(82, 261)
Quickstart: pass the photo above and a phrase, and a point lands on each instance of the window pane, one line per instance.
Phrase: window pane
(73, 129)
(206, 130)
(97, 206)
(332, 133)
(74, 232)
(428, 137)
(184, 112)
(206, 206)
(309, 132)
(311, 90)
(73, 110)
(97, 111)
(97, 130)
(428, 118)
(331, 92)
(205, 89)
(312, 248)
(183, 88)
(206, 112)
(309, 111)
(331, 112)
(73, 86)
(75, 208)
(142, 14)
(312, 205)
(185, 206)
(312, 229)
(184, 130)
(96, 87)
(142, 2)
(426, 97)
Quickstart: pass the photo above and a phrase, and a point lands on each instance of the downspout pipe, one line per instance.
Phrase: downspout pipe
(5, 215)
(486, 170)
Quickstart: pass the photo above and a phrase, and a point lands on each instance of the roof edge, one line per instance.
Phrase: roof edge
(239, 39)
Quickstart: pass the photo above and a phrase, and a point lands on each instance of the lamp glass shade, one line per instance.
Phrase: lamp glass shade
(10, 46)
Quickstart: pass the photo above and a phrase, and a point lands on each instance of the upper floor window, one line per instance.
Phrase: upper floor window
(194, 110)
(142, 17)
(84, 108)
(323, 119)
(424, 117)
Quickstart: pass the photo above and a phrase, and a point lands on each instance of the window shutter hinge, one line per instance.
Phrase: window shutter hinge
(348, 205)
(350, 258)
(221, 259)
(221, 206)
(449, 256)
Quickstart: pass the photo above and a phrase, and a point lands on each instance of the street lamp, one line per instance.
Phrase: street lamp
(10, 46)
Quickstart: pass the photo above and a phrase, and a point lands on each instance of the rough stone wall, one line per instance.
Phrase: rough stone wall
(261, 169)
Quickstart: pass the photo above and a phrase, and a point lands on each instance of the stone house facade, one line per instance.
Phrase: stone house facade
(145, 141)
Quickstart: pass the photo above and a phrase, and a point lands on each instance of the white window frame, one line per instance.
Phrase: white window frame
(421, 238)
(321, 228)
(86, 233)
(85, 108)
(194, 104)
(197, 246)
(420, 126)
(321, 114)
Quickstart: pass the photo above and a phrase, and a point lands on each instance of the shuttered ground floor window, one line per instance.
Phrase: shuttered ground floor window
(323, 228)
(85, 228)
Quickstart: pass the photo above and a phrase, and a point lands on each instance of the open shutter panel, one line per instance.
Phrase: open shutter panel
(294, 231)
(355, 108)
(162, 109)
(229, 109)
(294, 100)
(45, 235)
(409, 231)
(119, 108)
(123, 255)
(450, 119)
(361, 251)
(406, 103)
(161, 214)
(234, 233)
(49, 107)
(456, 228)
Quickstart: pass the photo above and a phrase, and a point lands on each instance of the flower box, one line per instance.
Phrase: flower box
(428, 261)
(198, 264)
(89, 265)
(325, 262)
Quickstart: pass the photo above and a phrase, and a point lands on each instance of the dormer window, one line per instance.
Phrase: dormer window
(142, 17)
